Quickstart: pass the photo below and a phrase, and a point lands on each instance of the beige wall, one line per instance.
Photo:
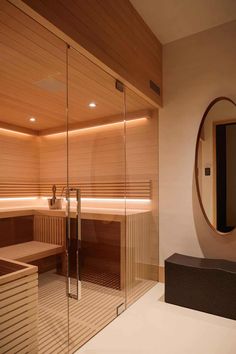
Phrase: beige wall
(196, 70)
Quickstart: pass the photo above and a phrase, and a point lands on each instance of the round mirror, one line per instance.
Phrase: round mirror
(215, 164)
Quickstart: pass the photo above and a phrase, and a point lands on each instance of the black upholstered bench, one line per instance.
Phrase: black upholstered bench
(207, 285)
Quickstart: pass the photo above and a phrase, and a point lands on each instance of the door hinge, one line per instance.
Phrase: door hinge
(155, 87)
(119, 86)
(120, 309)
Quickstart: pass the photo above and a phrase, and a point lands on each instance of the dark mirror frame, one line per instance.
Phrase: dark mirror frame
(209, 107)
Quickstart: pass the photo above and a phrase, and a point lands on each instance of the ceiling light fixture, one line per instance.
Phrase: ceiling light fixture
(32, 119)
(92, 105)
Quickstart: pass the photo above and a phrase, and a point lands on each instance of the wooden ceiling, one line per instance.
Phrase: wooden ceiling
(33, 72)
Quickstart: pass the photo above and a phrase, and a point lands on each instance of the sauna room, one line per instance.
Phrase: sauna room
(78, 192)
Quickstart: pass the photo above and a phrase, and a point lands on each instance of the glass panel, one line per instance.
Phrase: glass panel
(97, 169)
(141, 196)
(105, 166)
(32, 105)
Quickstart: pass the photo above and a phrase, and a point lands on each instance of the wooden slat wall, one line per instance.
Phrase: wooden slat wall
(30, 165)
(139, 189)
(19, 189)
(139, 244)
(19, 312)
(19, 170)
(124, 45)
(98, 158)
(32, 58)
(29, 53)
(142, 163)
(50, 229)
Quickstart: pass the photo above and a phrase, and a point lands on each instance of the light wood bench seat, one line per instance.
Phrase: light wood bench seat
(30, 251)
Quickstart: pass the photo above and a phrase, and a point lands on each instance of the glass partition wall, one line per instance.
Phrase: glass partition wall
(33, 100)
(78, 192)
(141, 136)
(96, 176)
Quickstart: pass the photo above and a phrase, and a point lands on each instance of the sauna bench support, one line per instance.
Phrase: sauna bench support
(18, 307)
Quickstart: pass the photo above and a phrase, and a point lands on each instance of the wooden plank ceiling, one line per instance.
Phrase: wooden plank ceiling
(33, 75)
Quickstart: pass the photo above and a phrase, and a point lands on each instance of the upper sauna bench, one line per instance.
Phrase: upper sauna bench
(86, 213)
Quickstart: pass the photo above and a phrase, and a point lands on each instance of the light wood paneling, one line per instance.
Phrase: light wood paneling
(19, 309)
(124, 45)
(142, 247)
(15, 128)
(99, 122)
(161, 277)
(115, 189)
(30, 54)
(33, 78)
(98, 155)
(19, 189)
(19, 172)
(135, 244)
(100, 162)
(19, 156)
(97, 161)
(138, 251)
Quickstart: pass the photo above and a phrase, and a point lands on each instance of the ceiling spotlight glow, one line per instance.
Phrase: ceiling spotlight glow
(92, 105)
(32, 119)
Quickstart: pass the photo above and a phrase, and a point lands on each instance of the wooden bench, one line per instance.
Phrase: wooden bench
(202, 284)
(32, 252)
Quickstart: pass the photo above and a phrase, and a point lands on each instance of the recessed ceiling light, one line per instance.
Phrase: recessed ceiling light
(32, 119)
(92, 105)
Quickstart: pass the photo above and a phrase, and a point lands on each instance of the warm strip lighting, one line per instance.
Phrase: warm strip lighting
(14, 132)
(77, 130)
(20, 198)
(98, 127)
(120, 200)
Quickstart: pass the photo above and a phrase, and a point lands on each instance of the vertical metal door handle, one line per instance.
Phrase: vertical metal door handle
(78, 294)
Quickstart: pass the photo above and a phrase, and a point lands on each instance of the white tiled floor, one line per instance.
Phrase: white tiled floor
(151, 326)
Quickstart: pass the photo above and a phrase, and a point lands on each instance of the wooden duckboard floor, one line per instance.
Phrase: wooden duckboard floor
(88, 316)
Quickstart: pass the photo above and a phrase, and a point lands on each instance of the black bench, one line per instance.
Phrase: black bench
(207, 285)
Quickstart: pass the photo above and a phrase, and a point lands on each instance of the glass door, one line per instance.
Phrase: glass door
(95, 198)
(70, 131)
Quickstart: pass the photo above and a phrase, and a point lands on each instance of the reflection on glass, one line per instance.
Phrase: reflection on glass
(216, 164)
(97, 167)
(33, 102)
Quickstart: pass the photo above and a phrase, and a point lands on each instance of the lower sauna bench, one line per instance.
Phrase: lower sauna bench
(30, 251)
(18, 307)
